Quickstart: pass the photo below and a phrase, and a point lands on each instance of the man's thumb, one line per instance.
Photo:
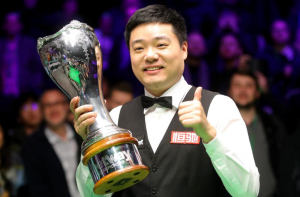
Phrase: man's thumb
(197, 95)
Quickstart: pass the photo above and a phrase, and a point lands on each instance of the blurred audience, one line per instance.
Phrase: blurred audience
(266, 131)
(5, 186)
(28, 120)
(229, 41)
(229, 21)
(32, 17)
(282, 60)
(69, 10)
(230, 50)
(121, 67)
(196, 71)
(20, 67)
(104, 34)
(119, 94)
(19, 59)
(120, 49)
(51, 155)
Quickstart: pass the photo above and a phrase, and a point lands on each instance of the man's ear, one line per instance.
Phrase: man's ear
(184, 47)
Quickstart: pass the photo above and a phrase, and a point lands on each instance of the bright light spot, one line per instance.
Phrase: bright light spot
(71, 37)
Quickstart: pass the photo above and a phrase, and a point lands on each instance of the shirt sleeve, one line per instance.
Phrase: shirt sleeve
(84, 179)
(230, 151)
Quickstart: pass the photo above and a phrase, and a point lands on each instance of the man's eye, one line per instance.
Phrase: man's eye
(161, 45)
(138, 48)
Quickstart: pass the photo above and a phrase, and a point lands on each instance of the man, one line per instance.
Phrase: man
(51, 154)
(119, 94)
(156, 38)
(265, 130)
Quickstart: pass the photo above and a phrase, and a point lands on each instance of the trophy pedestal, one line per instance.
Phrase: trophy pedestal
(118, 180)
(114, 163)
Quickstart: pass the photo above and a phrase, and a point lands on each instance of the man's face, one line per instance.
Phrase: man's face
(196, 45)
(118, 98)
(243, 90)
(30, 114)
(156, 56)
(55, 107)
(229, 47)
(280, 32)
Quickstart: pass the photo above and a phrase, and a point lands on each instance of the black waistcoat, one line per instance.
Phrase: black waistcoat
(176, 170)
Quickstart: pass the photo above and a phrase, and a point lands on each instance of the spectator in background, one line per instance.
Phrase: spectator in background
(105, 37)
(282, 60)
(5, 186)
(119, 94)
(29, 118)
(196, 71)
(230, 21)
(230, 50)
(266, 131)
(52, 153)
(20, 66)
(28, 115)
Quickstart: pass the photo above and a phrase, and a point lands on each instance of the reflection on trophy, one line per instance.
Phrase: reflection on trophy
(72, 59)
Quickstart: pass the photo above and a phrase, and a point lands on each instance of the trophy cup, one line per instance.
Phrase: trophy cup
(72, 58)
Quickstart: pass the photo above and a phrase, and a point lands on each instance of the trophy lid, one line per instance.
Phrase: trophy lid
(74, 24)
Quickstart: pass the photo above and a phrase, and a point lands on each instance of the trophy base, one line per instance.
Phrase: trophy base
(106, 143)
(121, 179)
(115, 163)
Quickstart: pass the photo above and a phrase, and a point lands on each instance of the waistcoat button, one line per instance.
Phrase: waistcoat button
(154, 168)
(154, 190)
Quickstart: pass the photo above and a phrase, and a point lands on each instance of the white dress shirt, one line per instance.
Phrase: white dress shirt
(230, 150)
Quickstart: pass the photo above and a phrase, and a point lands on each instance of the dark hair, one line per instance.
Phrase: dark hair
(123, 86)
(247, 73)
(54, 88)
(157, 14)
(22, 99)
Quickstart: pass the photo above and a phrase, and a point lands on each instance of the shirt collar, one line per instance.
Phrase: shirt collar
(177, 91)
(53, 138)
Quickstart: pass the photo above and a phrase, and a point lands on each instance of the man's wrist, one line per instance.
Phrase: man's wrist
(209, 135)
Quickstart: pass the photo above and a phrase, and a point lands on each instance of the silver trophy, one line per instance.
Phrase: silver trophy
(72, 58)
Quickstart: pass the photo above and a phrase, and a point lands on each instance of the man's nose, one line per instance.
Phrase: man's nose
(151, 55)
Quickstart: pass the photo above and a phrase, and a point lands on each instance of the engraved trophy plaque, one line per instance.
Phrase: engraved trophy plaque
(72, 58)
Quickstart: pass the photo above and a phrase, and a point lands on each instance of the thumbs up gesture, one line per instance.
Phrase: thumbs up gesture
(191, 114)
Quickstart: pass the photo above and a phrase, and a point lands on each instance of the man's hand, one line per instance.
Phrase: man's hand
(83, 117)
(191, 114)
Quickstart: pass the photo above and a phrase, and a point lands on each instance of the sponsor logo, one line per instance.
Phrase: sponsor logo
(189, 137)
(117, 159)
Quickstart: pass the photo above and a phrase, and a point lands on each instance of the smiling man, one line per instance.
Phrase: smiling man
(157, 42)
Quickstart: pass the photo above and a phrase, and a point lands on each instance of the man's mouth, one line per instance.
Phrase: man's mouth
(153, 68)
